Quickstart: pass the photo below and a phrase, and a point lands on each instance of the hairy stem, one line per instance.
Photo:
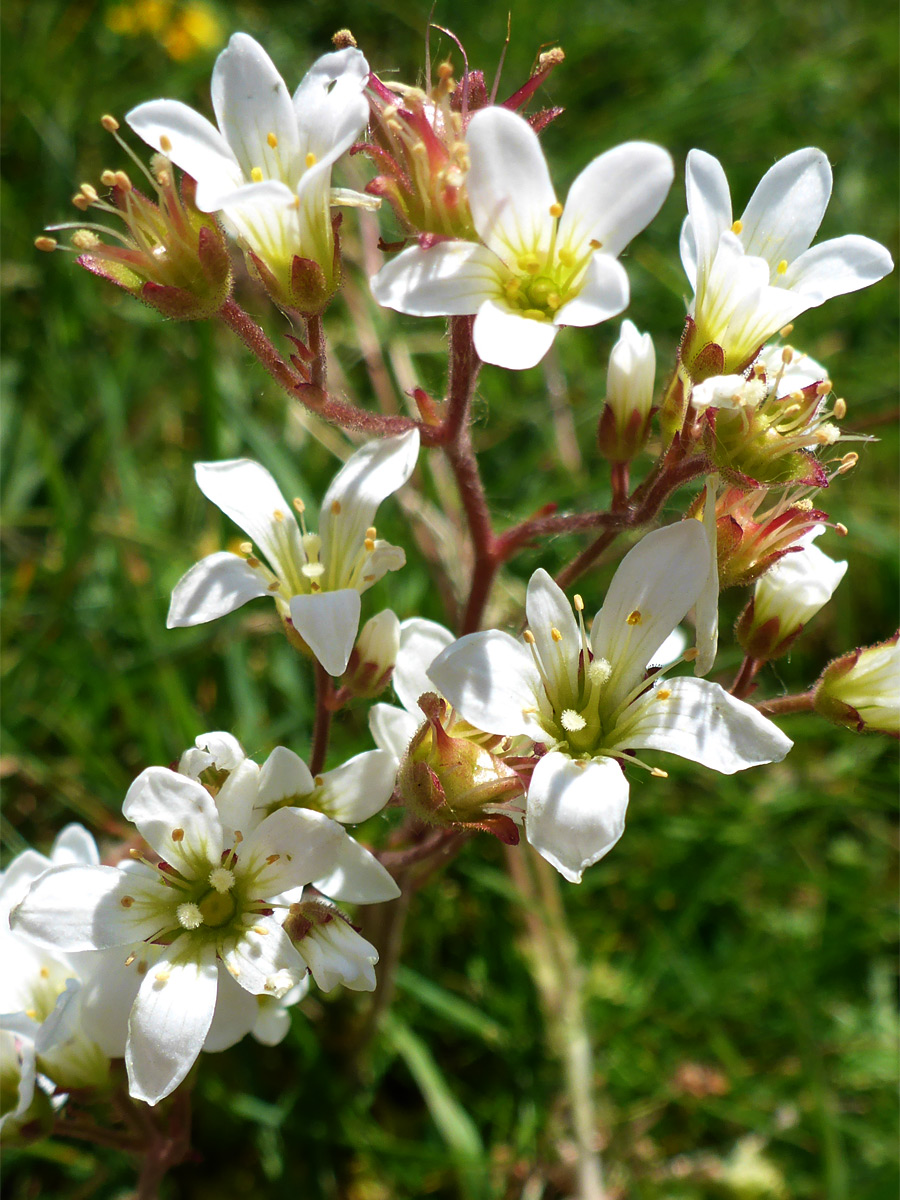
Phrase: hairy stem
(744, 680)
(800, 702)
(322, 723)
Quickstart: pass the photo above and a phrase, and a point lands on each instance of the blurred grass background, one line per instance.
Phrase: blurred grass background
(740, 942)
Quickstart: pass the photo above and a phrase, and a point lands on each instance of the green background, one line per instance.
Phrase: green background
(745, 925)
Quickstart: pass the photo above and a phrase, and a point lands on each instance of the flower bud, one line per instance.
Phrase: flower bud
(786, 597)
(862, 690)
(625, 420)
(306, 285)
(330, 946)
(372, 658)
(447, 778)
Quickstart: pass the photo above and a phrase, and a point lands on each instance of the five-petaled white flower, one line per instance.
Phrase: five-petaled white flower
(540, 266)
(589, 700)
(216, 899)
(315, 578)
(754, 275)
(267, 168)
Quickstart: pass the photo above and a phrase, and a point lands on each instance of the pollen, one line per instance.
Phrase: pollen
(335, 507)
(663, 694)
(782, 267)
(272, 139)
(298, 505)
(162, 977)
(278, 515)
(46, 244)
(823, 388)
(634, 618)
(165, 144)
(529, 637)
(109, 123)
(556, 209)
(555, 634)
(273, 858)
(189, 916)
(599, 671)
(571, 720)
(45, 974)
(737, 227)
(127, 901)
(787, 355)
(578, 602)
(246, 548)
(221, 879)
(311, 159)
(177, 835)
(256, 175)
(84, 239)
(840, 409)
(657, 773)
(595, 244)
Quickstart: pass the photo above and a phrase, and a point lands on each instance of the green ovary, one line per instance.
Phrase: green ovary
(217, 908)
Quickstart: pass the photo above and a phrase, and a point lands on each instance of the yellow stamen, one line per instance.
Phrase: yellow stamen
(737, 227)
(840, 409)
(278, 515)
(658, 774)
(165, 144)
(272, 139)
(311, 159)
(663, 694)
(110, 124)
(335, 507)
(45, 243)
(177, 835)
(127, 901)
(634, 618)
(556, 210)
(782, 267)
(256, 175)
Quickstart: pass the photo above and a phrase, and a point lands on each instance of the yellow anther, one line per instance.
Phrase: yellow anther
(343, 39)
(90, 191)
(512, 286)
(782, 267)
(658, 774)
(84, 239)
(554, 300)
(177, 835)
(238, 837)
(274, 586)
(663, 694)
(445, 70)
(634, 618)
(162, 976)
(256, 174)
(295, 203)
(840, 409)
(578, 602)
(109, 123)
(841, 529)
(318, 781)
(369, 544)
(555, 634)
(253, 561)
(787, 331)
(165, 144)
(335, 507)
(273, 858)
(737, 227)
(824, 387)
(371, 533)
(848, 462)
(594, 244)
(122, 181)
(787, 355)
(130, 959)
(311, 159)
(797, 397)
(556, 209)
(690, 655)
(529, 637)
(45, 243)
(272, 139)
(127, 901)
(108, 178)
(45, 974)
(81, 202)
(529, 264)
(278, 515)
(534, 314)
(298, 504)
(246, 547)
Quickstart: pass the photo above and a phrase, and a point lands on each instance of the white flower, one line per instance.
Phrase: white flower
(393, 728)
(540, 266)
(212, 899)
(588, 700)
(267, 167)
(862, 689)
(631, 372)
(794, 590)
(315, 579)
(754, 275)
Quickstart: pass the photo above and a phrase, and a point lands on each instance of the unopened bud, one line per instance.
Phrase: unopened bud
(372, 659)
(331, 948)
(861, 691)
(625, 420)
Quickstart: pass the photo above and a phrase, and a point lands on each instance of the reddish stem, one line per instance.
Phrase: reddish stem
(744, 680)
(800, 702)
(619, 483)
(322, 725)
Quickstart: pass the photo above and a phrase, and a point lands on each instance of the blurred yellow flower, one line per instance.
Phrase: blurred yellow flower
(182, 31)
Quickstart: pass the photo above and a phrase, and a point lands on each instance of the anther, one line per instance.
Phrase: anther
(272, 139)
(737, 227)
(566, 257)
(273, 858)
(594, 244)
(848, 462)
(109, 123)
(253, 561)
(823, 387)
(130, 959)
(246, 548)
(787, 331)
(556, 209)
(45, 243)
(634, 618)
(555, 634)
(278, 515)
(578, 603)
(90, 191)
(162, 976)
(840, 409)
(787, 355)
(274, 585)
(311, 159)
(841, 529)
(690, 655)
(663, 694)
(299, 505)
(108, 178)
(529, 637)
(343, 39)
(782, 267)
(256, 174)
(177, 835)
(335, 507)
(127, 901)
(122, 181)
(658, 774)
(81, 201)
(165, 144)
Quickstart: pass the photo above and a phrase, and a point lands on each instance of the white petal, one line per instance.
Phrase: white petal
(493, 681)
(263, 959)
(700, 721)
(709, 211)
(421, 642)
(392, 729)
(236, 801)
(328, 622)
(335, 953)
(289, 848)
(272, 1020)
(178, 817)
(604, 293)
(833, 268)
(447, 279)
(654, 586)
(248, 494)
(575, 811)
(216, 749)
(283, 776)
(671, 650)
(510, 193)
(616, 196)
(706, 612)
(251, 102)
(358, 788)
(74, 844)
(214, 587)
(548, 612)
(192, 143)
(80, 908)
(170, 1019)
(358, 878)
(374, 472)
(235, 1014)
(787, 207)
(330, 107)
(508, 339)
(18, 878)
(111, 980)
